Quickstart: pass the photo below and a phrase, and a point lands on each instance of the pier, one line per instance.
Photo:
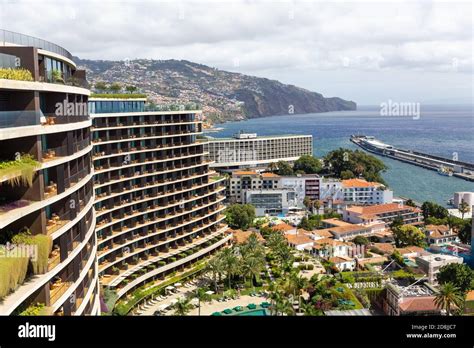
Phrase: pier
(462, 170)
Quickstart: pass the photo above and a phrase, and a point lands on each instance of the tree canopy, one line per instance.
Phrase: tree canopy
(284, 168)
(460, 275)
(240, 216)
(431, 209)
(408, 235)
(347, 164)
(307, 164)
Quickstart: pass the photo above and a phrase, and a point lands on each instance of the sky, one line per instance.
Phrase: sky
(366, 51)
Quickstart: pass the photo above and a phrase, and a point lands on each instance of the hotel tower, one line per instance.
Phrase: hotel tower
(48, 246)
(159, 207)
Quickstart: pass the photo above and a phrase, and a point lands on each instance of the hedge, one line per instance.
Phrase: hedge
(12, 273)
(118, 95)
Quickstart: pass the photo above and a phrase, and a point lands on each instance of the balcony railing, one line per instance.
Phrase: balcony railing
(7, 36)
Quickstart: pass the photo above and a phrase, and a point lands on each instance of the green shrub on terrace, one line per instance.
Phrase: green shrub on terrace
(43, 244)
(12, 273)
(35, 310)
(16, 74)
(20, 171)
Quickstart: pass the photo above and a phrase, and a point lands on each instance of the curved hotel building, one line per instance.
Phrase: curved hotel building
(48, 248)
(159, 207)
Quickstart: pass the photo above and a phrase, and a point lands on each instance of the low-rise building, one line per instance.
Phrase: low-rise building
(343, 263)
(270, 202)
(410, 299)
(384, 212)
(328, 247)
(440, 234)
(241, 237)
(359, 191)
(431, 264)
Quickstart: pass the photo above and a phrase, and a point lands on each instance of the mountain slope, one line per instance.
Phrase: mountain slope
(223, 95)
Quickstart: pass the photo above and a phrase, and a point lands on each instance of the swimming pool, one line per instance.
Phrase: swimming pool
(255, 312)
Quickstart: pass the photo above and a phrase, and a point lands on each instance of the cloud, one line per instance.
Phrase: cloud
(262, 37)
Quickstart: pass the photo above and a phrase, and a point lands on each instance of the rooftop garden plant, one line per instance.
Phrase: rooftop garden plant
(20, 171)
(35, 310)
(43, 244)
(16, 74)
(118, 95)
(12, 273)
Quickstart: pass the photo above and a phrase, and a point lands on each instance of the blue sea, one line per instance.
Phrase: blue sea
(439, 130)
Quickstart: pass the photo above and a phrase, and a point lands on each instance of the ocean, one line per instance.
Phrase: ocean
(443, 130)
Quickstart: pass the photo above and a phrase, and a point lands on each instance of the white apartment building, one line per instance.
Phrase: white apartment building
(359, 191)
(247, 150)
(431, 264)
(355, 191)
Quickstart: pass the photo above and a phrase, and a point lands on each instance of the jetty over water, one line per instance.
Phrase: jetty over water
(462, 170)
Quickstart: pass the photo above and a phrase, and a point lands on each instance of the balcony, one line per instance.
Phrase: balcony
(58, 287)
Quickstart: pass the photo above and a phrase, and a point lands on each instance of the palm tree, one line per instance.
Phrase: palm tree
(308, 203)
(463, 208)
(447, 296)
(182, 307)
(231, 264)
(251, 267)
(317, 206)
(215, 266)
(202, 297)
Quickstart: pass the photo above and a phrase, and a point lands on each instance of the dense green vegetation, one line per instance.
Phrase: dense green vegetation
(313, 222)
(307, 164)
(240, 216)
(118, 95)
(16, 74)
(408, 235)
(19, 171)
(460, 275)
(347, 164)
(14, 269)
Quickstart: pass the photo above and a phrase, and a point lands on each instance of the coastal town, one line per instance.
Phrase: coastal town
(310, 239)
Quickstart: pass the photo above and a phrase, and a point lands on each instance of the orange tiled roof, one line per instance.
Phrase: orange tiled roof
(439, 231)
(347, 229)
(339, 259)
(381, 208)
(324, 233)
(270, 175)
(241, 237)
(386, 248)
(336, 222)
(470, 296)
(329, 241)
(415, 304)
(245, 172)
(411, 249)
(359, 183)
(283, 227)
(298, 239)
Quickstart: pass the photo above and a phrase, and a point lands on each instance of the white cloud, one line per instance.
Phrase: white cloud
(267, 38)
